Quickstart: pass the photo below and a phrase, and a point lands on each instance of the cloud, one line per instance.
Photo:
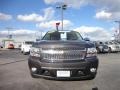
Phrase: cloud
(51, 25)
(32, 17)
(19, 32)
(103, 15)
(70, 3)
(109, 5)
(51, 1)
(19, 35)
(22, 32)
(4, 16)
(94, 33)
(107, 9)
(48, 14)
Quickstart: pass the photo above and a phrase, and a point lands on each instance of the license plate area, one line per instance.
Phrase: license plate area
(61, 73)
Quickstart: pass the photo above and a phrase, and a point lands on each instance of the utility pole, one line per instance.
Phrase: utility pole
(9, 35)
(119, 29)
(62, 7)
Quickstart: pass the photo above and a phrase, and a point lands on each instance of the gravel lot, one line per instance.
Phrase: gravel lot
(14, 74)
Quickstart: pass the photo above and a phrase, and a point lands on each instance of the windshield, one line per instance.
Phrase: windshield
(61, 35)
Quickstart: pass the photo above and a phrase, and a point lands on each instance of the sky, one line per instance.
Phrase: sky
(27, 18)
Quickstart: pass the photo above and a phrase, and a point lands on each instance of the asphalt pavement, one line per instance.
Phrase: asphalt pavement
(14, 74)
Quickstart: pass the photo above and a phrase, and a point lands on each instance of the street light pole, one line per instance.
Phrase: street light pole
(119, 29)
(62, 17)
(62, 7)
(9, 28)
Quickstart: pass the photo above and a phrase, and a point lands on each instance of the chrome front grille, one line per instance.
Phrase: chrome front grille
(63, 53)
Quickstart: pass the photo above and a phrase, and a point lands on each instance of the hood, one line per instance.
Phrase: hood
(57, 44)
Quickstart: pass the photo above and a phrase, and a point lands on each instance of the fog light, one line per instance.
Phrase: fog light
(93, 69)
(33, 69)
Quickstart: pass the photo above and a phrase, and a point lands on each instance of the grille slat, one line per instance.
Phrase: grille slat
(63, 53)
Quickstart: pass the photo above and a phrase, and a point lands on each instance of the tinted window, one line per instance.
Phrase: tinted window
(56, 35)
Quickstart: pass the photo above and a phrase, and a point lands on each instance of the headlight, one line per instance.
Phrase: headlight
(91, 52)
(35, 52)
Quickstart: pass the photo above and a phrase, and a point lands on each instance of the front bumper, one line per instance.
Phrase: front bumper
(78, 70)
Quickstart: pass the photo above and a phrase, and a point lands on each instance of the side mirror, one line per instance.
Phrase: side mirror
(86, 39)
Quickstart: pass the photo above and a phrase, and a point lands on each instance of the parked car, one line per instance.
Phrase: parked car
(113, 47)
(63, 55)
(118, 44)
(10, 46)
(101, 47)
(25, 47)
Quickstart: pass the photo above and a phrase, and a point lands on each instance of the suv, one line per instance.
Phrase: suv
(25, 47)
(63, 55)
